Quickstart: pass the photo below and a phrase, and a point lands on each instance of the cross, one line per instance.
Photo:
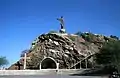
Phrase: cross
(18, 64)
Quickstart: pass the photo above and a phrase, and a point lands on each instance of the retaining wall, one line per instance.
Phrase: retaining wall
(40, 72)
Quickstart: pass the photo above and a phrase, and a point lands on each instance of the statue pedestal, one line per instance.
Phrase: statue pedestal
(62, 31)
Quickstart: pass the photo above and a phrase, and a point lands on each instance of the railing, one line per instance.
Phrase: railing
(82, 60)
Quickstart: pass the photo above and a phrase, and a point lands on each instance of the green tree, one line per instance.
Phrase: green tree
(3, 61)
(110, 54)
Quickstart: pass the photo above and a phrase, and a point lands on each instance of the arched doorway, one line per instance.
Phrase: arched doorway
(48, 63)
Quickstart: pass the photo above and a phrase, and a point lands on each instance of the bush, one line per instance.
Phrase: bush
(53, 32)
(109, 54)
(115, 37)
(78, 33)
(72, 38)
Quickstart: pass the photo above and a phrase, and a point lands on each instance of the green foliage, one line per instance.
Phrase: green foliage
(72, 38)
(3, 61)
(88, 36)
(115, 37)
(78, 33)
(53, 32)
(109, 54)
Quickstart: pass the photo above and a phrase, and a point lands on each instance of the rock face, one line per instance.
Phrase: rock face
(57, 46)
(66, 49)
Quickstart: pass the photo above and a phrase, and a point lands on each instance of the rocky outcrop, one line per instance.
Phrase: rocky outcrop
(66, 49)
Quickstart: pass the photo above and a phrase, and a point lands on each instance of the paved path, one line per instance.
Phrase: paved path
(56, 76)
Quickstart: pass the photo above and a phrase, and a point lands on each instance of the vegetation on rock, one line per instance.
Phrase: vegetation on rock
(78, 33)
(53, 32)
(115, 37)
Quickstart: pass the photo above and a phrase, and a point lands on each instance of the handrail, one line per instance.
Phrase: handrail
(81, 60)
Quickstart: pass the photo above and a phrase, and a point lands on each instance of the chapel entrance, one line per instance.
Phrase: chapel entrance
(48, 63)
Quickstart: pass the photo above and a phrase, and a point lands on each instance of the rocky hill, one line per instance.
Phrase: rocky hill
(67, 49)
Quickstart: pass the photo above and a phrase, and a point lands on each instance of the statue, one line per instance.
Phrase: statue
(62, 30)
(61, 22)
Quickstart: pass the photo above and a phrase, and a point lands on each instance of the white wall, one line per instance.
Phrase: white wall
(40, 72)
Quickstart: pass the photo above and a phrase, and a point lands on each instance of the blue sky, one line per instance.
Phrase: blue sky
(21, 21)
